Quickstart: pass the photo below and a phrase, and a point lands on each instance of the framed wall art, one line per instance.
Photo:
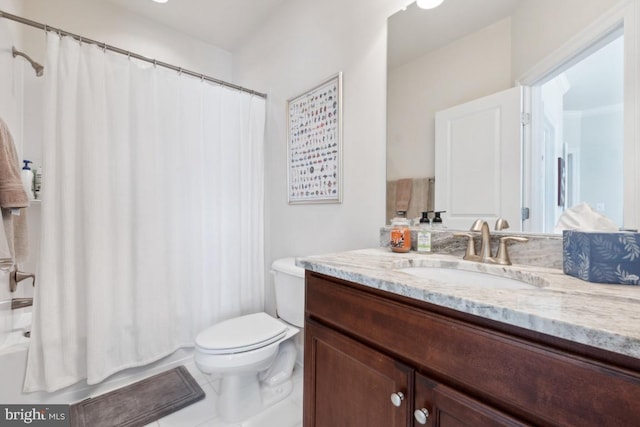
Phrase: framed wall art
(314, 144)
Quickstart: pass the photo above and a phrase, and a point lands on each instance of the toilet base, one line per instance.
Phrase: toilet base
(271, 395)
(239, 397)
(242, 397)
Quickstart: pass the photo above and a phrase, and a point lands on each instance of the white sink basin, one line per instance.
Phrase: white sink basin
(467, 279)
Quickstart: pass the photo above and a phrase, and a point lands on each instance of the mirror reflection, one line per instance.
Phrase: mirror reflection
(569, 140)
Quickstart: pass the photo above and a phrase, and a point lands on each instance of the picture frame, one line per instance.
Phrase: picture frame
(314, 144)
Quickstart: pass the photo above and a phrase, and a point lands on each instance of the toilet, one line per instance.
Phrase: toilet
(255, 354)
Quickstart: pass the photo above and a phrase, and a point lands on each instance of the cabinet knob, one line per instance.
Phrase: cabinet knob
(397, 398)
(421, 415)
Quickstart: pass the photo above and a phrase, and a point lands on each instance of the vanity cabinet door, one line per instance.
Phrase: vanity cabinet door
(348, 384)
(437, 405)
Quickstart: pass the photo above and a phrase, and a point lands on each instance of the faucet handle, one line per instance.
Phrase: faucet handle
(501, 224)
(477, 224)
(502, 257)
(471, 246)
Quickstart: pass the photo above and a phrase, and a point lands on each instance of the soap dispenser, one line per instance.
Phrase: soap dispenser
(424, 234)
(27, 179)
(437, 220)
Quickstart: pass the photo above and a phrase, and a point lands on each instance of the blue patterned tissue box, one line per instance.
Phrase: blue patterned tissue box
(602, 257)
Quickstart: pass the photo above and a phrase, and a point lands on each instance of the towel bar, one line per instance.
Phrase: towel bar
(17, 303)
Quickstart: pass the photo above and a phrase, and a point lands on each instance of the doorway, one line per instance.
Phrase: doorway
(577, 123)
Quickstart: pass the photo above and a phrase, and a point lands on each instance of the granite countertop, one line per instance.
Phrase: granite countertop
(599, 315)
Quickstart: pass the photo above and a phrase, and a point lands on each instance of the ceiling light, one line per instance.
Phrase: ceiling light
(160, 1)
(428, 4)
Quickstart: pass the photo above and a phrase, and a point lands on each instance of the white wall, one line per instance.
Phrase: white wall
(301, 45)
(11, 74)
(602, 128)
(106, 22)
(469, 68)
(542, 26)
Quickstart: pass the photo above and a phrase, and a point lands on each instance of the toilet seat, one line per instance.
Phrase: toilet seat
(241, 334)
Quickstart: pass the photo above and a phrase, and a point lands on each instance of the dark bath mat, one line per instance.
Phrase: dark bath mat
(140, 403)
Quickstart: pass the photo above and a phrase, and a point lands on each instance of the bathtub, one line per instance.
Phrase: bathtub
(13, 362)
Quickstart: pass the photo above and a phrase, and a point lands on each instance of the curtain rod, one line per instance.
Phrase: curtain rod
(125, 52)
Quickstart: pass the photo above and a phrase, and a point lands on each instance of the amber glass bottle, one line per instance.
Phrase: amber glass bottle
(400, 235)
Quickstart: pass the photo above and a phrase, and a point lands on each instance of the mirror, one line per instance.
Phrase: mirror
(465, 50)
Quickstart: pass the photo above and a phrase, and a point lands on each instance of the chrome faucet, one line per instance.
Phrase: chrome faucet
(485, 242)
(485, 256)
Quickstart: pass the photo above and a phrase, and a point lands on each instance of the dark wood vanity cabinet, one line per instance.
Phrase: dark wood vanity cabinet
(367, 351)
(445, 407)
(354, 383)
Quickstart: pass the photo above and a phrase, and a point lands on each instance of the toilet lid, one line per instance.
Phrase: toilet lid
(241, 334)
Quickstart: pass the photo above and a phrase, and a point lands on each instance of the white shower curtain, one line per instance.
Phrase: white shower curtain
(152, 213)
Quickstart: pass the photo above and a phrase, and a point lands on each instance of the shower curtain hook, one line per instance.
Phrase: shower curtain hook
(179, 71)
(201, 78)
(104, 47)
(155, 63)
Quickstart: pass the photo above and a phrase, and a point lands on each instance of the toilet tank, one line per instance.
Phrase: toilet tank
(289, 287)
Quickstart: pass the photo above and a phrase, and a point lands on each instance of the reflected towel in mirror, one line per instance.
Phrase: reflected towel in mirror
(421, 198)
(403, 194)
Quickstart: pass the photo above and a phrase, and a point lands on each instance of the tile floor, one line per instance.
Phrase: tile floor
(286, 413)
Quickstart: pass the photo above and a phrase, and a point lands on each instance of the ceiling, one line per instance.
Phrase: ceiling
(227, 23)
(414, 31)
(223, 23)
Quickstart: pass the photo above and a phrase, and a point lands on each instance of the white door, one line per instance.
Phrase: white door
(478, 160)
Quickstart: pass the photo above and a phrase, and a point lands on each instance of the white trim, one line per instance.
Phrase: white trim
(525, 160)
(631, 211)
